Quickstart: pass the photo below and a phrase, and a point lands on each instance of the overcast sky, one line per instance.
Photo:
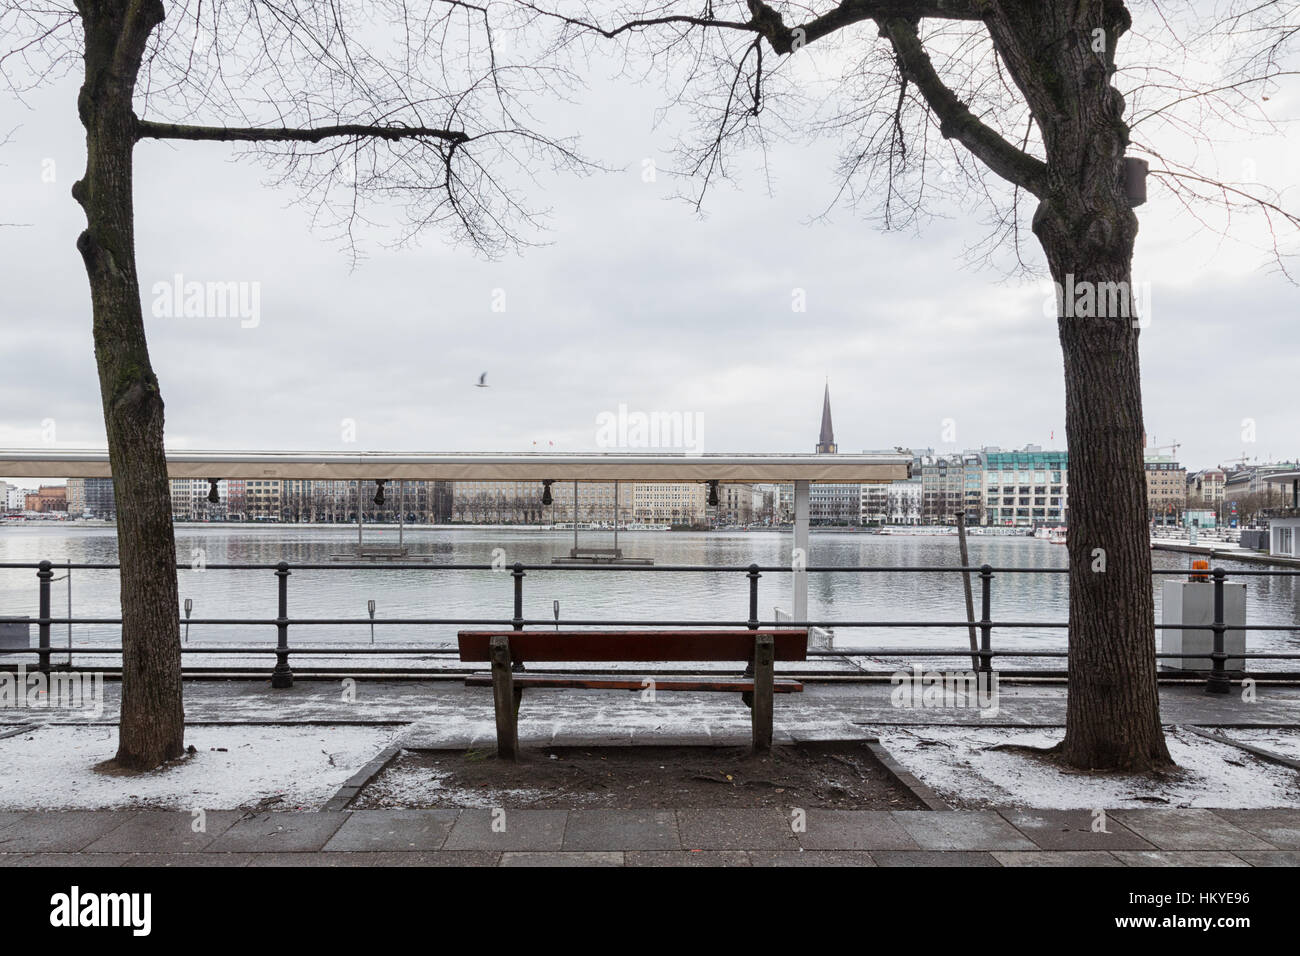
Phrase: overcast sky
(635, 299)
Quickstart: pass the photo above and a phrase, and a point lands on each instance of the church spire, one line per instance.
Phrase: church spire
(826, 442)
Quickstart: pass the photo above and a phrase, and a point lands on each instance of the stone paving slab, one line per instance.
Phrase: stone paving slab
(279, 832)
(854, 830)
(1270, 857)
(54, 831)
(961, 830)
(736, 830)
(191, 859)
(810, 858)
(1279, 827)
(64, 859)
(686, 858)
(515, 830)
(1188, 829)
(398, 830)
(1056, 858)
(563, 858)
(1179, 858)
(933, 858)
(369, 859)
(1073, 830)
(622, 830)
(165, 831)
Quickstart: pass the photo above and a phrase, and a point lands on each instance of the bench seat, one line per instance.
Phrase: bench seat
(780, 685)
(508, 651)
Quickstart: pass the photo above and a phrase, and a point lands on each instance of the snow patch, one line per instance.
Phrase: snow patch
(51, 768)
(961, 766)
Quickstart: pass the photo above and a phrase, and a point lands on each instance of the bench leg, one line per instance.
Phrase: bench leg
(505, 700)
(761, 715)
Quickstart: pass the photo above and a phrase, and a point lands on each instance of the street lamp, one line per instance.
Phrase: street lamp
(370, 606)
(189, 607)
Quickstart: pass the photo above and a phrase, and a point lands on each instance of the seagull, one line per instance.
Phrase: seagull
(482, 381)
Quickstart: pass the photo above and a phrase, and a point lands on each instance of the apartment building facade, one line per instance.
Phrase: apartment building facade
(1166, 489)
(895, 503)
(1026, 488)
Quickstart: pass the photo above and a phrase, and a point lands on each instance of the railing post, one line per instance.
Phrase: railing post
(753, 596)
(517, 622)
(282, 676)
(45, 575)
(1218, 680)
(748, 696)
(986, 620)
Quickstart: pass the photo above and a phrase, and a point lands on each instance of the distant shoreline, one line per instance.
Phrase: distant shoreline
(377, 527)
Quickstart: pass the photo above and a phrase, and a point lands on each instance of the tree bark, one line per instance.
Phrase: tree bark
(1087, 230)
(152, 723)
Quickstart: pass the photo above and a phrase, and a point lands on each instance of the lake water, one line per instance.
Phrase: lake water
(586, 594)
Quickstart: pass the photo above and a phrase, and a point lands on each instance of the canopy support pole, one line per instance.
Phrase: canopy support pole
(799, 567)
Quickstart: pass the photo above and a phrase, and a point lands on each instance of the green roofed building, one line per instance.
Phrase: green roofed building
(1027, 488)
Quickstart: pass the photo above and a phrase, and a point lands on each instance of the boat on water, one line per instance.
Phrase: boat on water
(640, 526)
(1051, 535)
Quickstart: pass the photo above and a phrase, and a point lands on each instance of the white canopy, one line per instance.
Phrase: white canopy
(607, 466)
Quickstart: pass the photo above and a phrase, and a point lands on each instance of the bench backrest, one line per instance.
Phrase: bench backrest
(734, 645)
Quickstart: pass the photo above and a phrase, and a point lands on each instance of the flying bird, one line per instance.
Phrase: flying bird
(482, 381)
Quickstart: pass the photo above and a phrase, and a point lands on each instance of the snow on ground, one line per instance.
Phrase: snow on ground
(51, 768)
(411, 786)
(1283, 741)
(961, 767)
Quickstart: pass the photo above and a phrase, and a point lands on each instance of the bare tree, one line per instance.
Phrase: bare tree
(1027, 109)
(351, 103)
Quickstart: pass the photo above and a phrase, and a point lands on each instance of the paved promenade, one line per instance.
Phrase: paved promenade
(1143, 838)
(441, 714)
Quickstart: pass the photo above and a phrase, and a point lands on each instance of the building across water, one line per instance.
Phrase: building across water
(1025, 488)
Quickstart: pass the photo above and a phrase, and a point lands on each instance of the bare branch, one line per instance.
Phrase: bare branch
(149, 129)
(956, 121)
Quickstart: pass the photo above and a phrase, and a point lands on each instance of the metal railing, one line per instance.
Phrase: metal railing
(282, 676)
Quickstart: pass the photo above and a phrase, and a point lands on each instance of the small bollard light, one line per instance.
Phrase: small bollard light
(189, 609)
(370, 606)
(555, 606)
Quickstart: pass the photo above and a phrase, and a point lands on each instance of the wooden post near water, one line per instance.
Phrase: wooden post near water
(970, 600)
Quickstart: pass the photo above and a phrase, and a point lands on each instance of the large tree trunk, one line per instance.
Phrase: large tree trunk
(1062, 56)
(152, 727)
(1113, 709)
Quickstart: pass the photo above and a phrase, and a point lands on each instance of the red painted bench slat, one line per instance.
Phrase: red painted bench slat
(725, 685)
(632, 646)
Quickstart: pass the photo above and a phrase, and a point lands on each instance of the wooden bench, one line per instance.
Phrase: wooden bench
(757, 648)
